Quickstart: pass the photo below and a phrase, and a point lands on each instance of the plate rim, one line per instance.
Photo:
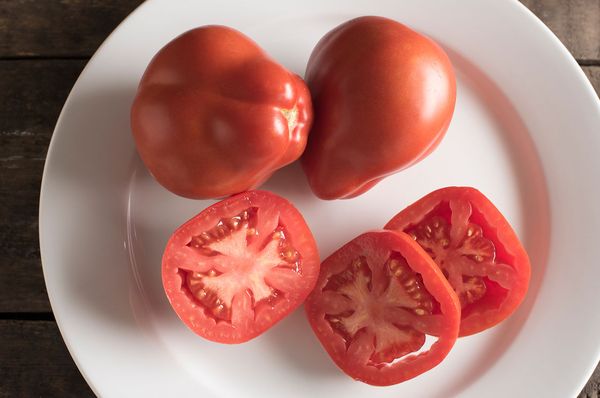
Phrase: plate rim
(518, 7)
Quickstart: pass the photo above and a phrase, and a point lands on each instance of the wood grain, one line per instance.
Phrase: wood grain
(34, 362)
(593, 73)
(32, 93)
(51, 28)
(592, 388)
(575, 22)
(75, 28)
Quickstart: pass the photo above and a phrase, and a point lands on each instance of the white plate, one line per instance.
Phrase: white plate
(525, 132)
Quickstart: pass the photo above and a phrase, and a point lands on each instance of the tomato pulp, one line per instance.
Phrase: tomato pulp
(375, 301)
(476, 249)
(240, 266)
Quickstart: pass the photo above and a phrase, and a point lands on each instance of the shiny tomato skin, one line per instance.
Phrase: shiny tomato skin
(479, 244)
(240, 266)
(383, 98)
(215, 116)
(359, 325)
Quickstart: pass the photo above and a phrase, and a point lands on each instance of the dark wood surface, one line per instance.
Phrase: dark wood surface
(43, 47)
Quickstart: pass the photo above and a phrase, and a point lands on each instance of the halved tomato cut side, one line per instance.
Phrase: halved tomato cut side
(240, 266)
(476, 249)
(376, 300)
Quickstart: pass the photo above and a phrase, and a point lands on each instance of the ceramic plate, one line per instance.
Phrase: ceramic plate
(526, 132)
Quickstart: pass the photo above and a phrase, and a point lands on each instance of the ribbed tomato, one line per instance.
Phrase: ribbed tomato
(214, 115)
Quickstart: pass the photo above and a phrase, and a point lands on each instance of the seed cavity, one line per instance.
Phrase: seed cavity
(433, 235)
(405, 290)
(213, 290)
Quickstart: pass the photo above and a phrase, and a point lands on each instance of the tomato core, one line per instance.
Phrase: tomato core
(402, 289)
(236, 268)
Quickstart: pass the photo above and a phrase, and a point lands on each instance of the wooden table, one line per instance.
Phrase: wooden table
(43, 47)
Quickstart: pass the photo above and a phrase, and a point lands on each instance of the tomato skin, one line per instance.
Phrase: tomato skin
(383, 98)
(375, 244)
(212, 117)
(495, 227)
(178, 261)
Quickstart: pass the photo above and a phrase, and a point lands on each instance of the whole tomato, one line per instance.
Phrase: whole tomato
(214, 115)
(383, 98)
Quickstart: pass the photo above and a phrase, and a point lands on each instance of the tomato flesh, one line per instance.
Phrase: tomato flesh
(376, 300)
(475, 248)
(404, 290)
(237, 268)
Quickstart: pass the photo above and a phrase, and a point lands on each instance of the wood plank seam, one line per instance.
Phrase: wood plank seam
(27, 316)
(64, 57)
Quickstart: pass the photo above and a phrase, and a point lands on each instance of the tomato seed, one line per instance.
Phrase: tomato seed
(220, 231)
(410, 282)
(194, 282)
(289, 255)
(233, 222)
(411, 289)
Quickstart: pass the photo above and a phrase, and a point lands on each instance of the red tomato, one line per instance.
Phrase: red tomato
(383, 98)
(214, 115)
(375, 301)
(475, 247)
(240, 266)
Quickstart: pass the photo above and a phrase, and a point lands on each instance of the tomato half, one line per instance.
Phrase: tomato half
(476, 249)
(240, 266)
(374, 303)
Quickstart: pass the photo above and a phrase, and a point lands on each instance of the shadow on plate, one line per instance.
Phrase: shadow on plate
(294, 340)
(290, 182)
(91, 162)
(534, 201)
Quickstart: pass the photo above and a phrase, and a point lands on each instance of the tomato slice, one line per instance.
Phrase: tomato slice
(240, 266)
(476, 249)
(374, 303)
